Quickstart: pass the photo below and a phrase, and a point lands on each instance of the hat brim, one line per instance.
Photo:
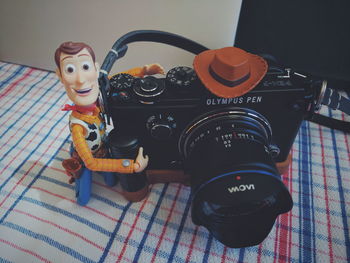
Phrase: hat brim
(258, 69)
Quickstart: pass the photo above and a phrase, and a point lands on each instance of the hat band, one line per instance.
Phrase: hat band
(229, 83)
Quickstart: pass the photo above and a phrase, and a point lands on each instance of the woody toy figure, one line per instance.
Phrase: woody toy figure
(78, 72)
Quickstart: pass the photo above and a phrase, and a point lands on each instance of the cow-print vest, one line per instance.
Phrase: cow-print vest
(95, 133)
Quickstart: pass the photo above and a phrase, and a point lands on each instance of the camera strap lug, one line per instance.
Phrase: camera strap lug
(273, 150)
(287, 76)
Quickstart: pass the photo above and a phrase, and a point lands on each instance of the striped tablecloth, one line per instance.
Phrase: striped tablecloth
(41, 222)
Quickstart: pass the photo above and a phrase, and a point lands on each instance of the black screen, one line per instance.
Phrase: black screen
(310, 36)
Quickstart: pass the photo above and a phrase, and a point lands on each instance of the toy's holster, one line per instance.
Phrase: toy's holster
(74, 166)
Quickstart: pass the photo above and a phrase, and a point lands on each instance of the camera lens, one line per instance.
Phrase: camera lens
(237, 192)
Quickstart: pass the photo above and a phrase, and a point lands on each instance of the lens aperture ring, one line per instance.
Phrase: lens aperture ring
(226, 127)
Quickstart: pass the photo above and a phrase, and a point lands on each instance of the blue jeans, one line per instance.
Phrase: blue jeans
(83, 183)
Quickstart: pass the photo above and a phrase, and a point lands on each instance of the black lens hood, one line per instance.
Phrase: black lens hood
(247, 202)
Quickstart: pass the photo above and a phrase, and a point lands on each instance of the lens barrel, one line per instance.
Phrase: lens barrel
(126, 147)
(236, 190)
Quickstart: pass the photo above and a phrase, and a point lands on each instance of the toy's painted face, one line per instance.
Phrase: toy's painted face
(79, 74)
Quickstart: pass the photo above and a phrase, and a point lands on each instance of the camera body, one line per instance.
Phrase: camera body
(159, 110)
(225, 127)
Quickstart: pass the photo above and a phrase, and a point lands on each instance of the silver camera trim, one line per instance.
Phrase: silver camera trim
(233, 113)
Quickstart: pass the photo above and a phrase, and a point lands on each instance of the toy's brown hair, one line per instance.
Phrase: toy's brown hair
(72, 48)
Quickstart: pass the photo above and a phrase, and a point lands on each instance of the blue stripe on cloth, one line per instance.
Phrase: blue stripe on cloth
(269, 253)
(150, 250)
(22, 97)
(66, 213)
(121, 207)
(2, 260)
(318, 236)
(180, 229)
(34, 149)
(4, 70)
(341, 195)
(332, 188)
(51, 207)
(148, 228)
(116, 229)
(312, 193)
(49, 241)
(35, 178)
(25, 114)
(93, 195)
(3, 65)
(324, 211)
(207, 248)
(108, 201)
(304, 194)
(17, 72)
(241, 255)
(170, 196)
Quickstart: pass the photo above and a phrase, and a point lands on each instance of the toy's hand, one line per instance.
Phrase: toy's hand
(152, 69)
(141, 161)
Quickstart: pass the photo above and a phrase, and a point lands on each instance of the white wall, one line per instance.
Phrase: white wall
(31, 30)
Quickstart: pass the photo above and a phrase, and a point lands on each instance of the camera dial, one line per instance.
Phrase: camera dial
(161, 126)
(181, 78)
(121, 81)
(148, 89)
(120, 84)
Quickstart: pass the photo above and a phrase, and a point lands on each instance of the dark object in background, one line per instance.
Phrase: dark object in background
(311, 36)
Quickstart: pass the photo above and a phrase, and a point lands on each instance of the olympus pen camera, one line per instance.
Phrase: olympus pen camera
(232, 148)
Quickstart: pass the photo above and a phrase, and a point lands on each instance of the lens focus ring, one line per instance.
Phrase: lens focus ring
(225, 127)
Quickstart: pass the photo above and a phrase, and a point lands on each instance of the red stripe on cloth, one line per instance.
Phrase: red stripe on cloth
(282, 233)
(132, 228)
(276, 240)
(284, 221)
(326, 198)
(73, 201)
(30, 118)
(189, 254)
(14, 84)
(258, 260)
(328, 175)
(23, 105)
(320, 197)
(311, 250)
(346, 142)
(4, 71)
(314, 153)
(223, 257)
(319, 222)
(62, 228)
(27, 251)
(166, 223)
(290, 187)
(19, 92)
(311, 135)
(108, 188)
(181, 243)
(33, 165)
(288, 180)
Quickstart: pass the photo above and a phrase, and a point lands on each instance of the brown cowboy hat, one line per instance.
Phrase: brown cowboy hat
(229, 72)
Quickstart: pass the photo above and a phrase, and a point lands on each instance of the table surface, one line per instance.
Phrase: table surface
(40, 220)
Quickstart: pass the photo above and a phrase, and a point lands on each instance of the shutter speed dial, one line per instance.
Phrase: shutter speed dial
(181, 78)
(161, 126)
